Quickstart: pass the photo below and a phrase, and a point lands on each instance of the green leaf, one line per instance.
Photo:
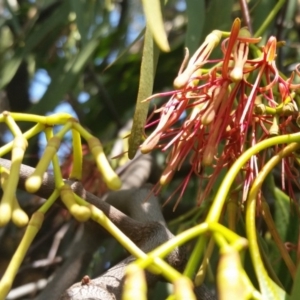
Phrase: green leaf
(14, 19)
(287, 224)
(34, 38)
(155, 22)
(218, 16)
(196, 18)
(125, 50)
(296, 287)
(148, 67)
(79, 7)
(10, 67)
(66, 77)
(85, 14)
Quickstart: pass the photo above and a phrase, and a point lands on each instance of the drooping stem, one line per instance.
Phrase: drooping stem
(267, 286)
(218, 203)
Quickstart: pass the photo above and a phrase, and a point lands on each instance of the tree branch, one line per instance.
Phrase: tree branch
(144, 225)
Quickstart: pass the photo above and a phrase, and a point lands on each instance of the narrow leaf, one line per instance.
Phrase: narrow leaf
(35, 37)
(296, 287)
(79, 7)
(196, 18)
(155, 22)
(66, 77)
(125, 50)
(148, 67)
(218, 16)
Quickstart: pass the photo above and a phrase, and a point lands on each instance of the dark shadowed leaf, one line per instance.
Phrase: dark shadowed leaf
(37, 35)
(196, 17)
(296, 287)
(66, 77)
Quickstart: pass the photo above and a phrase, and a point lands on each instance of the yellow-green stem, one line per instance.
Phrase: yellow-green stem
(189, 234)
(218, 203)
(83, 132)
(13, 267)
(232, 211)
(64, 130)
(135, 286)
(267, 286)
(34, 181)
(49, 202)
(200, 276)
(28, 134)
(160, 266)
(56, 167)
(6, 205)
(14, 128)
(76, 171)
(183, 217)
(195, 257)
(55, 119)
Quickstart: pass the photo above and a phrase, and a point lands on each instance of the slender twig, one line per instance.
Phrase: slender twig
(246, 15)
(266, 285)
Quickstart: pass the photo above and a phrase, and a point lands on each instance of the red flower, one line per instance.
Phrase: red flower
(215, 115)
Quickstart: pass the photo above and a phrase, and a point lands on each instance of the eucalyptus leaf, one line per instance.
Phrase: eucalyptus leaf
(148, 68)
(287, 224)
(155, 22)
(67, 76)
(218, 15)
(79, 8)
(34, 38)
(296, 287)
(196, 18)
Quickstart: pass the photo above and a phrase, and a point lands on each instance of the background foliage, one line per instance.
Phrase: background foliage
(84, 57)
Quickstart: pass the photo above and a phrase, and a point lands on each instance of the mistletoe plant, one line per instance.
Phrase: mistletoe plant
(79, 208)
(237, 113)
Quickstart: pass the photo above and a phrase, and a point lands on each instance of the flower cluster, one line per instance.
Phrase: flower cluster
(91, 180)
(216, 113)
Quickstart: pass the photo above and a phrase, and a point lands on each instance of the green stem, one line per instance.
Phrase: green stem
(10, 122)
(160, 266)
(8, 277)
(199, 278)
(171, 244)
(189, 234)
(76, 171)
(184, 217)
(28, 134)
(269, 19)
(56, 168)
(195, 257)
(55, 119)
(218, 203)
(49, 202)
(267, 286)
